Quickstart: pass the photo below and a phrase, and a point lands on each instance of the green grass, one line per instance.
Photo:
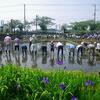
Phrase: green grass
(26, 84)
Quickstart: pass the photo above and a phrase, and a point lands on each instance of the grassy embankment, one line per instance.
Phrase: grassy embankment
(27, 84)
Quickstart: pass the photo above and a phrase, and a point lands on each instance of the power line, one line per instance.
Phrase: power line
(61, 4)
(6, 6)
(16, 5)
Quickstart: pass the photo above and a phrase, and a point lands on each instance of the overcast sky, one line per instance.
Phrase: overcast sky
(63, 11)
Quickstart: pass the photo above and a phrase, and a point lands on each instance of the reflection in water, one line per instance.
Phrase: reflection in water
(34, 61)
(30, 60)
(71, 59)
(8, 58)
(33, 56)
(44, 59)
(79, 60)
(91, 61)
(91, 51)
(60, 60)
(52, 62)
(24, 58)
(71, 52)
(17, 59)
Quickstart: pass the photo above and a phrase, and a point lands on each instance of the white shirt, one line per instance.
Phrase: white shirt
(59, 44)
(30, 39)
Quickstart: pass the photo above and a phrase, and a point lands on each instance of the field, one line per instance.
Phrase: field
(33, 84)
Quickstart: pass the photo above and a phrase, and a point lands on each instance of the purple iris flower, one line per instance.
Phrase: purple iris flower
(62, 86)
(45, 80)
(89, 82)
(59, 62)
(73, 98)
(86, 83)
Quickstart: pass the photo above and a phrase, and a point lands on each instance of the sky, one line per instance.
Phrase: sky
(63, 11)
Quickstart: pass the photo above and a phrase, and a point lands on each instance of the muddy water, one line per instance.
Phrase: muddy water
(50, 61)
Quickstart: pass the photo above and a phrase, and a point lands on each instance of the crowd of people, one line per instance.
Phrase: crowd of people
(15, 44)
(33, 46)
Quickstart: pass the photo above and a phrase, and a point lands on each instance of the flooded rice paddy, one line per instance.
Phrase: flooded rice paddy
(50, 61)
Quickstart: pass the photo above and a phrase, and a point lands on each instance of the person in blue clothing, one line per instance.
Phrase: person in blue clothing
(24, 49)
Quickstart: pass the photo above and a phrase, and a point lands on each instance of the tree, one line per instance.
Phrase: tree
(85, 26)
(27, 26)
(6, 28)
(15, 25)
(64, 28)
(12, 25)
(20, 26)
(43, 22)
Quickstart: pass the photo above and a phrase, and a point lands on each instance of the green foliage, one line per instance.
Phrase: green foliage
(64, 28)
(44, 22)
(12, 26)
(26, 84)
(85, 26)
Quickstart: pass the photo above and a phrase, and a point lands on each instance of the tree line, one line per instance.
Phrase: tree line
(44, 22)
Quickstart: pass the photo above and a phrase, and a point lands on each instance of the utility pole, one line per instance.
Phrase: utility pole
(94, 17)
(94, 13)
(36, 22)
(24, 16)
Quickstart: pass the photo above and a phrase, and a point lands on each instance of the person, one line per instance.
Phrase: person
(8, 41)
(91, 48)
(54, 36)
(71, 48)
(44, 48)
(17, 42)
(30, 41)
(85, 44)
(98, 47)
(33, 46)
(0, 49)
(52, 46)
(79, 49)
(24, 49)
(59, 45)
